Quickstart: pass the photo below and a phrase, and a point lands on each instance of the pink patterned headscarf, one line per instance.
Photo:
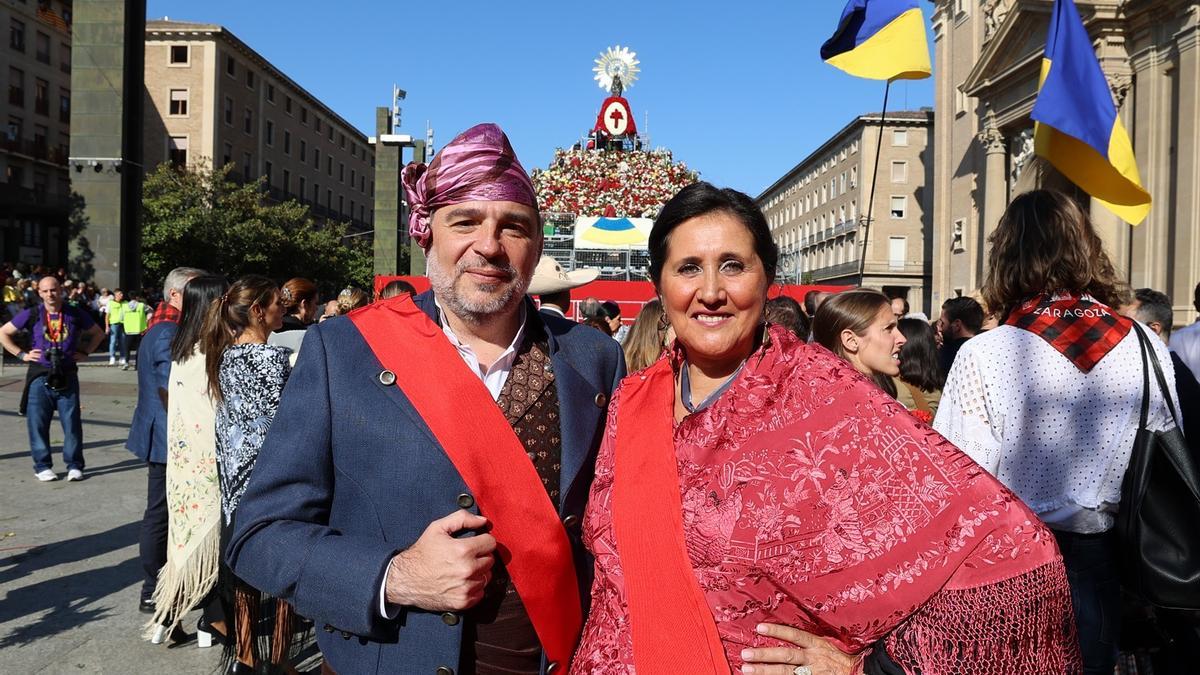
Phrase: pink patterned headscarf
(478, 165)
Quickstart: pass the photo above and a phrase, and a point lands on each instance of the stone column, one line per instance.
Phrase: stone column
(995, 184)
(388, 163)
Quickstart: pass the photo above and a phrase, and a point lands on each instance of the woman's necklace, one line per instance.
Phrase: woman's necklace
(685, 388)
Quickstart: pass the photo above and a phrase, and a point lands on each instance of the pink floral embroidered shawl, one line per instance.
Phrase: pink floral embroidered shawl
(811, 498)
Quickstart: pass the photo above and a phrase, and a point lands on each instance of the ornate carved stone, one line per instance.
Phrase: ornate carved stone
(992, 139)
(1120, 83)
(994, 13)
(1020, 155)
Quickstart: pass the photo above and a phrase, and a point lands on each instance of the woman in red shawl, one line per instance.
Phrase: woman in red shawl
(748, 478)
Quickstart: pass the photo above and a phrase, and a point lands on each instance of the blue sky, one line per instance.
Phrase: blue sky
(735, 89)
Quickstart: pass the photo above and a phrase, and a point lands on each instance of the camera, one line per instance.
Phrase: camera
(57, 379)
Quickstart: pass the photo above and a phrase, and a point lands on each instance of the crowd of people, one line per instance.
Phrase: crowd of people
(466, 481)
(610, 183)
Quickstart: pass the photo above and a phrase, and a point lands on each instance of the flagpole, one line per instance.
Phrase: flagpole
(862, 262)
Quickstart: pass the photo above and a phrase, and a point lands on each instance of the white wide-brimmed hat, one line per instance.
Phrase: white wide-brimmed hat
(550, 277)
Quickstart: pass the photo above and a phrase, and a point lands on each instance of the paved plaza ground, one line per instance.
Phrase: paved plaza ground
(69, 568)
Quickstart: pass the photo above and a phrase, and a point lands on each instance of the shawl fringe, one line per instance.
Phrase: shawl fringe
(183, 585)
(1023, 624)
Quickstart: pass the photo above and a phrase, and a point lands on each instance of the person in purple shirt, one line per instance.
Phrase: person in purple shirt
(62, 335)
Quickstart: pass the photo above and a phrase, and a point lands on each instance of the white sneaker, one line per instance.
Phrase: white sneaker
(124, 363)
(75, 474)
(46, 475)
(112, 360)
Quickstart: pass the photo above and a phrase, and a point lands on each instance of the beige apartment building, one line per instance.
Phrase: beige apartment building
(210, 97)
(36, 116)
(988, 56)
(817, 211)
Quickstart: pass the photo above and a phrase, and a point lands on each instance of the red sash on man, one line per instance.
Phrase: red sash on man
(490, 458)
(1078, 326)
(672, 624)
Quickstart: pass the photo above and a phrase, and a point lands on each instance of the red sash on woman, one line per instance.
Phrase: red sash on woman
(673, 628)
(481, 444)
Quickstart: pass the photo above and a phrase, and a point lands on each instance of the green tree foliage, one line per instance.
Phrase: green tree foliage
(201, 217)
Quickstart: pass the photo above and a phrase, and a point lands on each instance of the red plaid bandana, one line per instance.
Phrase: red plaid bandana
(1078, 326)
(163, 312)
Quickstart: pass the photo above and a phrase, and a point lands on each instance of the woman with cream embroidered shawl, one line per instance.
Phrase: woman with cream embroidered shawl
(748, 478)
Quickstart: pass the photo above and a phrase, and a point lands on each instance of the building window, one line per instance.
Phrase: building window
(352, 178)
(897, 251)
(178, 103)
(317, 159)
(341, 205)
(362, 184)
(42, 48)
(64, 106)
(247, 166)
(249, 78)
(64, 58)
(287, 105)
(956, 236)
(13, 131)
(303, 115)
(267, 172)
(270, 93)
(328, 199)
(853, 177)
(228, 111)
(41, 97)
(270, 133)
(177, 151)
(228, 157)
(287, 142)
(316, 198)
(960, 102)
(248, 121)
(329, 165)
(303, 150)
(179, 55)
(300, 192)
(843, 179)
(824, 193)
(899, 137)
(317, 124)
(899, 172)
(287, 182)
(899, 206)
(329, 128)
(342, 143)
(16, 35)
(342, 172)
(230, 66)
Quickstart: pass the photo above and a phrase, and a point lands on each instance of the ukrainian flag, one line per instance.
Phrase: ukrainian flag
(880, 40)
(1077, 129)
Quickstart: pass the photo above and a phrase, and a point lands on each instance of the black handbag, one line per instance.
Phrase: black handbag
(1159, 518)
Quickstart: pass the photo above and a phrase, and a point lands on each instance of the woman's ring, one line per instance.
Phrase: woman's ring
(802, 670)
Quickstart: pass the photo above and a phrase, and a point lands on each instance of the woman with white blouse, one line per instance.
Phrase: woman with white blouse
(1049, 401)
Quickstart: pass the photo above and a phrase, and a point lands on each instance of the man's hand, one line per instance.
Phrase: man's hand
(440, 573)
(32, 355)
(820, 655)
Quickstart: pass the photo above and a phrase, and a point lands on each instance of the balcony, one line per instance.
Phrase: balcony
(906, 268)
(14, 198)
(845, 227)
(835, 271)
(34, 149)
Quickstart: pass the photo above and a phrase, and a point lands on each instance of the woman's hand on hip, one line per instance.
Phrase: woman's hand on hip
(818, 654)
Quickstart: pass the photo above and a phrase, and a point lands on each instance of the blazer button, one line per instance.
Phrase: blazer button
(387, 378)
(601, 400)
(465, 501)
(328, 628)
(450, 619)
(443, 670)
(345, 635)
(571, 521)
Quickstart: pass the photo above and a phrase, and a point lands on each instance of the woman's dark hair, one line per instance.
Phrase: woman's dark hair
(198, 293)
(786, 312)
(1045, 243)
(919, 356)
(227, 318)
(296, 291)
(854, 310)
(700, 199)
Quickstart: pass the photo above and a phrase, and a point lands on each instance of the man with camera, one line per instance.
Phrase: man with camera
(61, 335)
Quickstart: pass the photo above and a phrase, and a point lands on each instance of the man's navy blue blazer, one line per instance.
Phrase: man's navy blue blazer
(148, 431)
(349, 475)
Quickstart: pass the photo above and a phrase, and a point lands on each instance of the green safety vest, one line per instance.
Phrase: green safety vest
(135, 318)
(116, 312)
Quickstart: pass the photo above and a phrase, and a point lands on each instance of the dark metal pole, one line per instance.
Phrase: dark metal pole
(862, 261)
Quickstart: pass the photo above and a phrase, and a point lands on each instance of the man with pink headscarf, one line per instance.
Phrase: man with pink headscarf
(419, 496)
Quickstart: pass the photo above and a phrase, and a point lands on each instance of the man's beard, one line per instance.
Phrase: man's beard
(509, 292)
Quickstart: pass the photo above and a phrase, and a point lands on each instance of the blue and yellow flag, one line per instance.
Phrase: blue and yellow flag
(880, 40)
(1077, 129)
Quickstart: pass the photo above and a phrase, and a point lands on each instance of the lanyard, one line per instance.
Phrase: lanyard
(54, 329)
